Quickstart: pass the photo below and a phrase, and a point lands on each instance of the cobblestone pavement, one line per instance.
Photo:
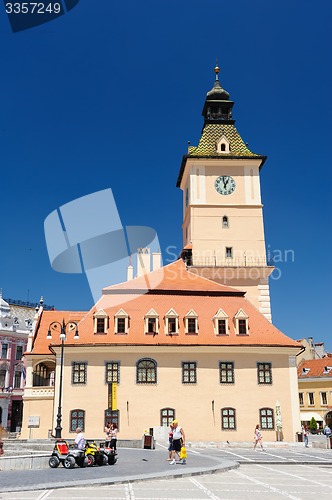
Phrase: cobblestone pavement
(254, 481)
(145, 474)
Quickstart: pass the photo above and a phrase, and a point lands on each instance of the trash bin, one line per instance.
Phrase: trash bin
(299, 437)
(148, 443)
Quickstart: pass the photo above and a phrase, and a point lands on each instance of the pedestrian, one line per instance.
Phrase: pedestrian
(1, 443)
(258, 437)
(80, 439)
(170, 442)
(178, 440)
(107, 434)
(327, 433)
(114, 436)
(306, 436)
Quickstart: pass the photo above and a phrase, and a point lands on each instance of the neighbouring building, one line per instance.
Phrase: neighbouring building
(315, 390)
(313, 350)
(16, 322)
(193, 340)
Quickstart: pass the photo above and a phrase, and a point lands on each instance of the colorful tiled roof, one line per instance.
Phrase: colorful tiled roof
(315, 368)
(212, 132)
(181, 291)
(41, 343)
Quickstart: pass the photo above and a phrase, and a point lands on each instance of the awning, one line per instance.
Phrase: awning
(306, 416)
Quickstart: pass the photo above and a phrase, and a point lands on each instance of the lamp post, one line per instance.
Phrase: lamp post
(63, 328)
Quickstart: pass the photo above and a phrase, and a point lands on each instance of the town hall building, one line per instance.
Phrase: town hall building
(192, 340)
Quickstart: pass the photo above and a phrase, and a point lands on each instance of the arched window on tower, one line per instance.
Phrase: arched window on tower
(225, 222)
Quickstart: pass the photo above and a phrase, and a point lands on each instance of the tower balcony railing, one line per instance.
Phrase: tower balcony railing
(198, 261)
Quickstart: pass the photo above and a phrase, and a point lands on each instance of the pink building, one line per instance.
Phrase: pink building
(16, 322)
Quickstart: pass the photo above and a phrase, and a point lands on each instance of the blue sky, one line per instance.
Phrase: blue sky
(108, 96)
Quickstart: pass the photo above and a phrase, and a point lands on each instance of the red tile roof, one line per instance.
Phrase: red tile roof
(178, 289)
(315, 368)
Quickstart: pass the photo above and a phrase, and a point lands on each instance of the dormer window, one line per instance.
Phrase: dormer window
(100, 320)
(241, 323)
(151, 322)
(121, 322)
(327, 369)
(220, 323)
(305, 371)
(223, 145)
(191, 323)
(171, 323)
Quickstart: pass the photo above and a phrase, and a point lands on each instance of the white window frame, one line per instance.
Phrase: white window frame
(100, 315)
(301, 404)
(220, 314)
(243, 316)
(313, 397)
(151, 314)
(321, 397)
(171, 314)
(190, 315)
(121, 314)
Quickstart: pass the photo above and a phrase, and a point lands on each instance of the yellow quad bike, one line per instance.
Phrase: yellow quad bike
(95, 455)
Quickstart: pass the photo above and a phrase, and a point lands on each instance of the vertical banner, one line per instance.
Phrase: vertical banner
(114, 396)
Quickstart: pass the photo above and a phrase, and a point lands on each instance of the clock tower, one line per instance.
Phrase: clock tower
(223, 230)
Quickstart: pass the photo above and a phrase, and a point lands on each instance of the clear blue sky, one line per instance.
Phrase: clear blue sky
(108, 96)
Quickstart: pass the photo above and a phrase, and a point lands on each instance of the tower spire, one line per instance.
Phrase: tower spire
(217, 70)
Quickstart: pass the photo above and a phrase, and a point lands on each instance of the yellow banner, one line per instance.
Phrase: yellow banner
(114, 396)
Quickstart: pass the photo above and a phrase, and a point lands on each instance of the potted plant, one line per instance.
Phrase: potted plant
(313, 426)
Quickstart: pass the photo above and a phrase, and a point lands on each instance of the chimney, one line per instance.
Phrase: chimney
(156, 260)
(130, 273)
(143, 261)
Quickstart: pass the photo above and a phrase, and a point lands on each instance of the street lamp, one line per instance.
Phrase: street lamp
(63, 328)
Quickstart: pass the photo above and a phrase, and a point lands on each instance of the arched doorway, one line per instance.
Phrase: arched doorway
(328, 419)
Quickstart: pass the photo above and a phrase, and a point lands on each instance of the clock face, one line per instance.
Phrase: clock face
(225, 184)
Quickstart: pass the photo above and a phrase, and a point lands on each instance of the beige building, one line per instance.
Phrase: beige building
(315, 390)
(192, 340)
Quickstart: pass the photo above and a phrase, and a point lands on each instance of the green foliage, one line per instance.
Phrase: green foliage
(313, 424)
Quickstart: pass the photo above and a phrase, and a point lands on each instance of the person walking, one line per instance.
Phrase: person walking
(258, 437)
(327, 433)
(306, 436)
(107, 434)
(170, 443)
(80, 439)
(178, 440)
(114, 436)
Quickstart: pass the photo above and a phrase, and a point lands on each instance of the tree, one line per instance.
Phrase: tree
(313, 424)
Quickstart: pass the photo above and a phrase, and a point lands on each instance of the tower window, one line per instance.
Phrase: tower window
(225, 221)
(229, 252)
